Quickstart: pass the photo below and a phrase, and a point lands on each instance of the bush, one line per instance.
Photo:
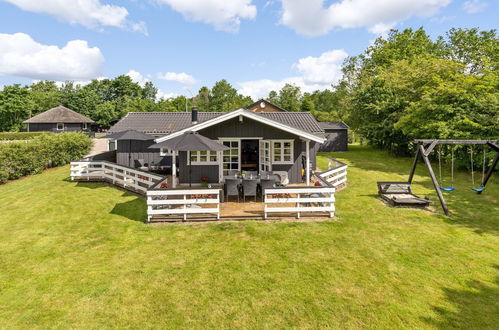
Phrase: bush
(18, 159)
(11, 136)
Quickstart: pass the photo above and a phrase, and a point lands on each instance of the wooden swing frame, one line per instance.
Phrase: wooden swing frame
(426, 146)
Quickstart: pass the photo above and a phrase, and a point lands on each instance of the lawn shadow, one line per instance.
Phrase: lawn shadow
(135, 209)
(468, 305)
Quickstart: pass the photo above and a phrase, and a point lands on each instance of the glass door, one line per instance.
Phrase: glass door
(264, 155)
(231, 157)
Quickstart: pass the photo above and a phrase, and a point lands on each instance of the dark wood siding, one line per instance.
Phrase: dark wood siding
(52, 127)
(139, 150)
(337, 140)
(248, 128)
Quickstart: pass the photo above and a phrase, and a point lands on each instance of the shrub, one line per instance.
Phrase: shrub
(11, 136)
(18, 159)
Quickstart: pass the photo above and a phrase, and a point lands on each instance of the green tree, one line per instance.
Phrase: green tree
(15, 107)
(44, 95)
(307, 104)
(289, 98)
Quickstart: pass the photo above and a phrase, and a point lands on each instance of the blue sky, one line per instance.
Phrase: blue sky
(182, 45)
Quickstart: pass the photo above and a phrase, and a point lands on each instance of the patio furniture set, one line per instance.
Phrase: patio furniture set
(249, 184)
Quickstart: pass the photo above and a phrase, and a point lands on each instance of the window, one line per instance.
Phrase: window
(204, 157)
(84, 126)
(111, 145)
(165, 152)
(282, 151)
(60, 126)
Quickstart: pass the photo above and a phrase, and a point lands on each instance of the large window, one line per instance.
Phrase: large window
(204, 157)
(282, 152)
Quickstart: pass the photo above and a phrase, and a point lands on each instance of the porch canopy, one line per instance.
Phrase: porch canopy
(188, 141)
(130, 135)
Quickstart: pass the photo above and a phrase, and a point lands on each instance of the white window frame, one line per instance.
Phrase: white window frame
(84, 126)
(109, 145)
(209, 154)
(166, 152)
(282, 161)
(60, 129)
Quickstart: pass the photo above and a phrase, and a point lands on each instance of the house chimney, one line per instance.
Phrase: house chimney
(194, 115)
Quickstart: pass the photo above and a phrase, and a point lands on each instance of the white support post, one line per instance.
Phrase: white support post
(307, 163)
(174, 169)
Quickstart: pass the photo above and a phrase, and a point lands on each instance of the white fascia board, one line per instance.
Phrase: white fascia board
(247, 114)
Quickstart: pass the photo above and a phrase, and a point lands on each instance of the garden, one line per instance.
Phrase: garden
(80, 255)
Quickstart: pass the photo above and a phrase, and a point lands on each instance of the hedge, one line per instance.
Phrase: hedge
(11, 136)
(18, 159)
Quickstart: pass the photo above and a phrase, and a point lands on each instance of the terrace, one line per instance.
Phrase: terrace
(197, 203)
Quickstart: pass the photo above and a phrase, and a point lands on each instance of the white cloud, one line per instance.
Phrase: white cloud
(165, 96)
(474, 6)
(89, 13)
(21, 56)
(322, 69)
(180, 77)
(317, 73)
(312, 18)
(138, 77)
(224, 15)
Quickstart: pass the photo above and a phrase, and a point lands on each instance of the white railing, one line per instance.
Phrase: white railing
(183, 202)
(123, 176)
(336, 175)
(299, 199)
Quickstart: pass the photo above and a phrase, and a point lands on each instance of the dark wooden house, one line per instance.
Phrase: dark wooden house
(336, 136)
(277, 141)
(59, 119)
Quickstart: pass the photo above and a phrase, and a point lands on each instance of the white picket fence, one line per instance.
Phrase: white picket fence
(335, 176)
(299, 200)
(183, 202)
(123, 176)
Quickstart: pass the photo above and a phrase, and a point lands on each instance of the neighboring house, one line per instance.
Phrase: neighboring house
(336, 135)
(59, 119)
(264, 106)
(268, 141)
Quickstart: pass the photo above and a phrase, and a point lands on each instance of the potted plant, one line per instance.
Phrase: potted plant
(204, 181)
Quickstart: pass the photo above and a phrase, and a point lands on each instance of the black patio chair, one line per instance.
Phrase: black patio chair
(266, 184)
(249, 188)
(251, 174)
(233, 172)
(231, 188)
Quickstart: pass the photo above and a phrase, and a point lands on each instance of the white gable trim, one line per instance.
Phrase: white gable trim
(250, 115)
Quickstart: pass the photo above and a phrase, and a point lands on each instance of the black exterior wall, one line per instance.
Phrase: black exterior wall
(337, 140)
(52, 127)
(139, 150)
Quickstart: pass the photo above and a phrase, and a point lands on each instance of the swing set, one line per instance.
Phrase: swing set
(424, 149)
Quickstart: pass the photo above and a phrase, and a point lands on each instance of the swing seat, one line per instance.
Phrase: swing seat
(479, 189)
(451, 188)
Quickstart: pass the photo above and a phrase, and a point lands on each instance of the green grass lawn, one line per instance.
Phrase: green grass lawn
(79, 255)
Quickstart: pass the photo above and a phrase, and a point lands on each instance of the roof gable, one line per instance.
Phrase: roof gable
(59, 114)
(260, 117)
(263, 105)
